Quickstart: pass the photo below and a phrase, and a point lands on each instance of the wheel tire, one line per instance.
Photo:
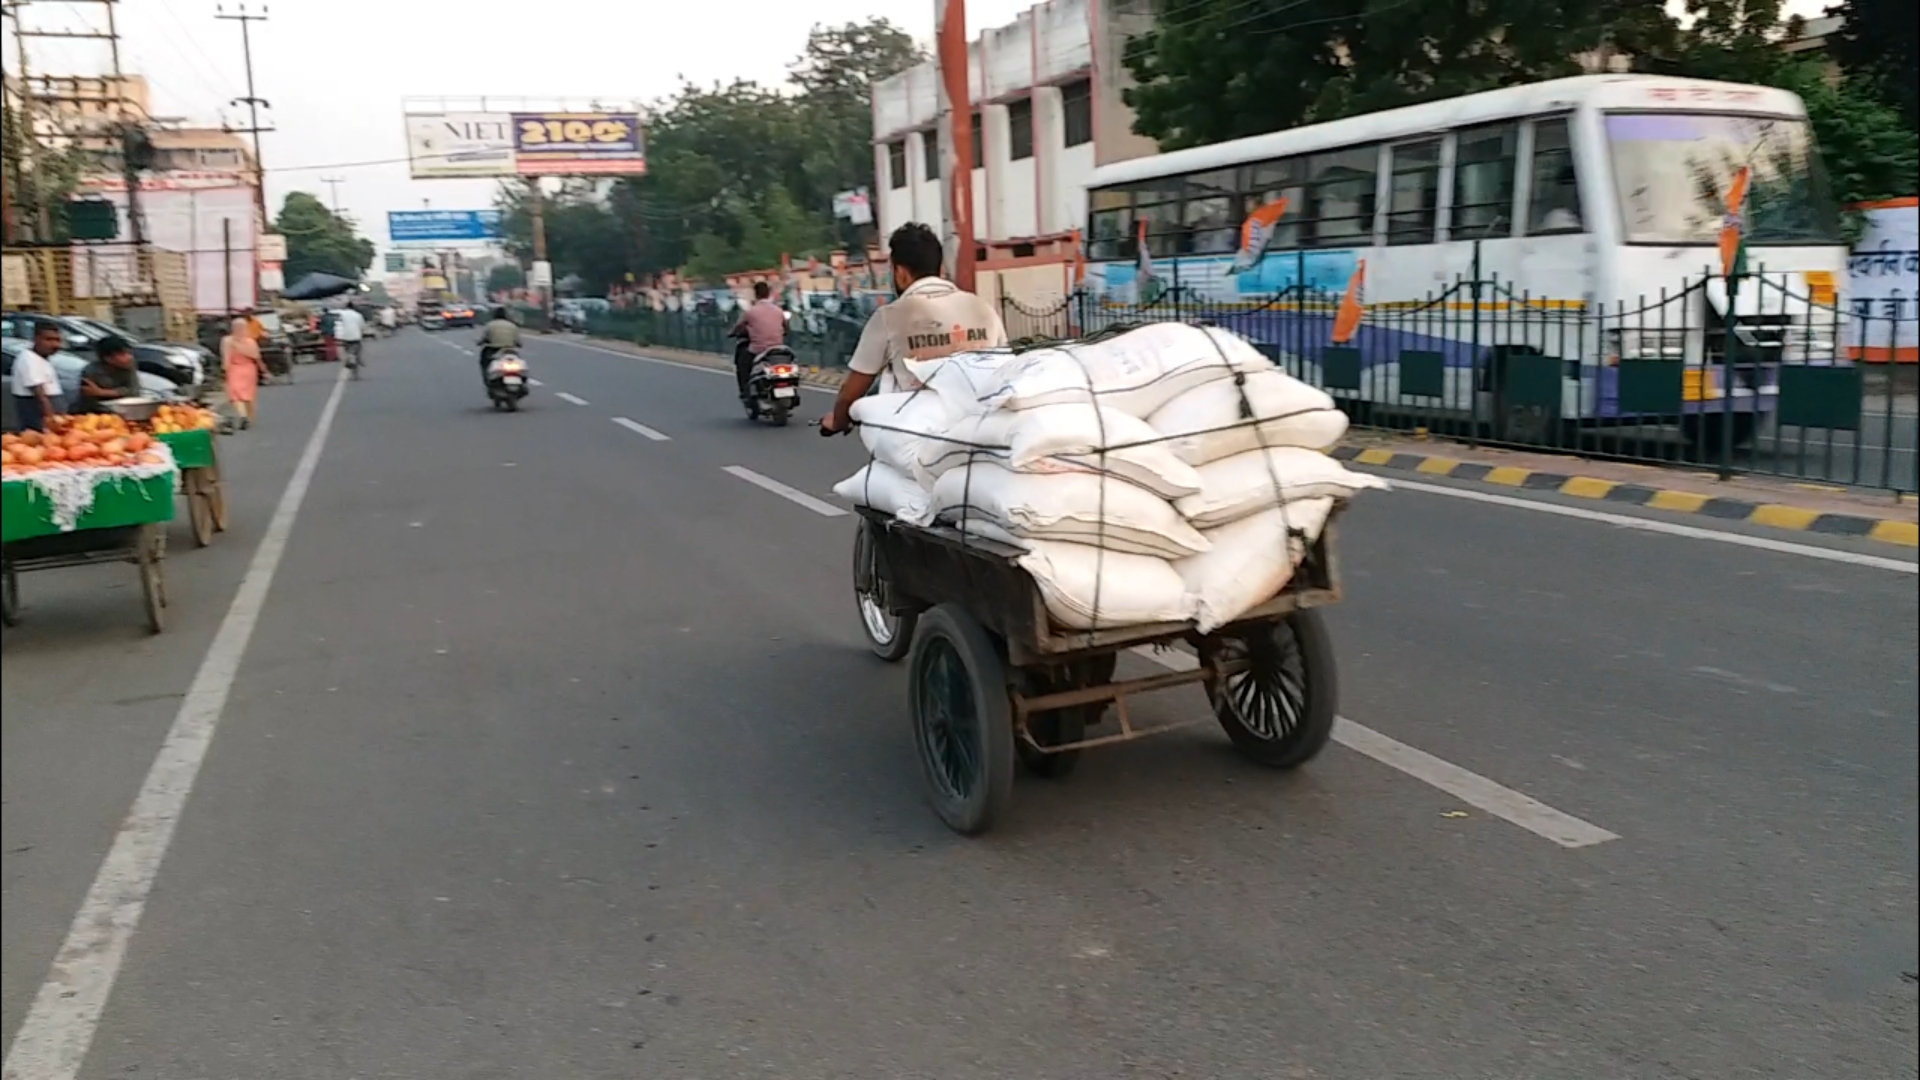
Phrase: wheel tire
(1280, 711)
(513, 404)
(199, 505)
(779, 414)
(217, 498)
(1062, 726)
(890, 636)
(153, 587)
(962, 719)
(9, 597)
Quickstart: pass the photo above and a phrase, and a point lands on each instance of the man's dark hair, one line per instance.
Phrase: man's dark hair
(47, 328)
(762, 290)
(914, 247)
(500, 313)
(112, 346)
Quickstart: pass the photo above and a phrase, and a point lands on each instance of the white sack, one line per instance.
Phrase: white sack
(1086, 588)
(884, 487)
(962, 380)
(1251, 560)
(1064, 438)
(1205, 424)
(1245, 484)
(1080, 508)
(1136, 372)
(893, 425)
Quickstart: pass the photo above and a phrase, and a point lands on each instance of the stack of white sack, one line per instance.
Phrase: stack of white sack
(1131, 471)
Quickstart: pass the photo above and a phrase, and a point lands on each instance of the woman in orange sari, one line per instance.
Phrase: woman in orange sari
(240, 357)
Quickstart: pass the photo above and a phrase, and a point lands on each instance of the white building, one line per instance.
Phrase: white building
(1046, 98)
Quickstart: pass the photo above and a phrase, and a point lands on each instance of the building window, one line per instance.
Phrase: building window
(1414, 211)
(1020, 129)
(1340, 196)
(930, 146)
(1076, 106)
(978, 143)
(897, 163)
(1554, 204)
(1483, 182)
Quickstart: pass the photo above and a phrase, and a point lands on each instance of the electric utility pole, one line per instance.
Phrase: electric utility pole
(252, 101)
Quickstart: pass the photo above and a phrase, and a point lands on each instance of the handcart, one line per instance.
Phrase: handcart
(126, 522)
(992, 682)
(197, 457)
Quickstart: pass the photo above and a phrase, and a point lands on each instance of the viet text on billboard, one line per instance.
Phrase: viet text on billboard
(461, 144)
(578, 144)
(441, 226)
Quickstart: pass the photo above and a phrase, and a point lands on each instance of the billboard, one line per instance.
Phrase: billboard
(459, 144)
(441, 226)
(467, 144)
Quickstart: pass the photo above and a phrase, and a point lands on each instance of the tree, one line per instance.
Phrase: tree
(834, 78)
(1879, 42)
(504, 277)
(319, 241)
(39, 178)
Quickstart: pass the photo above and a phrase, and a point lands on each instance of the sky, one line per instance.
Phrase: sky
(337, 71)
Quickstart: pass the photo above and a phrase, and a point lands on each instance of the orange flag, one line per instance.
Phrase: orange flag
(1732, 233)
(1254, 234)
(1346, 319)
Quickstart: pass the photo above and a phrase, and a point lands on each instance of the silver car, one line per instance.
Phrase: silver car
(67, 367)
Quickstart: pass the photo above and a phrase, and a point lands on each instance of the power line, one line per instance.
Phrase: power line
(252, 101)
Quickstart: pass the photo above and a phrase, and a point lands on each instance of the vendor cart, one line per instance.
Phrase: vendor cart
(991, 680)
(124, 522)
(197, 457)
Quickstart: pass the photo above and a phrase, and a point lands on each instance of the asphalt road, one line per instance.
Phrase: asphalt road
(555, 753)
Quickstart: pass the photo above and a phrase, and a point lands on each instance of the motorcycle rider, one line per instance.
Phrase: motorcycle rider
(762, 326)
(500, 333)
(928, 317)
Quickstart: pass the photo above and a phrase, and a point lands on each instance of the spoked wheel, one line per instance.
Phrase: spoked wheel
(888, 635)
(217, 497)
(1062, 727)
(200, 512)
(153, 587)
(1278, 700)
(962, 720)
(10, 596)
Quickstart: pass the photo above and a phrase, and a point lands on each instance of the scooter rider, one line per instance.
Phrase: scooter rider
(928, 317)
(762, 326)
(500, 333)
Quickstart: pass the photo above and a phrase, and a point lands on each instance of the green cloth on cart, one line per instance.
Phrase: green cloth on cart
(191, 449)
(28, 511)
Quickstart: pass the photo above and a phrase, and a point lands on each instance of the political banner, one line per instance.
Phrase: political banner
(578, 144)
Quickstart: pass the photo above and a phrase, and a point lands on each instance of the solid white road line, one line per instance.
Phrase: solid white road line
(641, 429)
(1668, 528)
(53, 1040)
(535, 382)
(662, 361)
(1471, 788)
(824, 509)
(564, 396)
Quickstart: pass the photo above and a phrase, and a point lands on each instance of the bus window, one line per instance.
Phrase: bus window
(1111, 224)
(1272, 180)
(1340, 196)
(1483, 182)
(1414, 212)
(1207, 217)
(1163, 229)
(1553, 205)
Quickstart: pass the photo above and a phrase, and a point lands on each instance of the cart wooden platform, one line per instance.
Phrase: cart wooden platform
(992, 682)
(127, 523)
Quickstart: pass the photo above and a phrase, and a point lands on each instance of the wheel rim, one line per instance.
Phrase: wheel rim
(949, 721)
(1268, 694)
(882, 625)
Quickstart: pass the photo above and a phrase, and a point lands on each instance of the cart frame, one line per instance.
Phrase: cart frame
(1032, 688)
(145, 546)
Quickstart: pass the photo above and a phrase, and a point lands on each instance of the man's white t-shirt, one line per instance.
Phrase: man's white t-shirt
(31, 371)
(930, 318)
(348, 325)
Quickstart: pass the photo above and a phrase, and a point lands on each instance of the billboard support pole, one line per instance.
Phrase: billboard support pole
(537, 220)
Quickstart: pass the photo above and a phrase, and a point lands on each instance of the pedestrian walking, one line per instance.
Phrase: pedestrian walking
(240, 356)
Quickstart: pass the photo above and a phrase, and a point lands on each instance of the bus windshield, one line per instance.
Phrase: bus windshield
(1673, 171)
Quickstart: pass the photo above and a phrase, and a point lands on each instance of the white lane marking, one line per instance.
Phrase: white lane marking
(535, 382)
(662, 361)
(639, 428)
(824, 509)
(458, 348)
(1668, 528)
(1469, 787)
(564, 396)
(53, 1040)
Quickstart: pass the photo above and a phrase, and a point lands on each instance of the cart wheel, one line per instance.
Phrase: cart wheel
(962, 719)
(199, 505)
(153, 587)
(217, 498)
(10, 597)
(1279, 708)
(888, 635)
(1062, 726)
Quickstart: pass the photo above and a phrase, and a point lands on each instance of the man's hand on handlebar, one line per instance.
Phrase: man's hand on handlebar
(825, 424)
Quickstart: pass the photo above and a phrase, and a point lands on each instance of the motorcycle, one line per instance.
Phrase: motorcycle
(773, 385)
(506, 379)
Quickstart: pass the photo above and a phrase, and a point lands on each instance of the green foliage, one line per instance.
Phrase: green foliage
(38, 178)
(505, 276)
(320, 241)
(1880, 43)
(738, 174)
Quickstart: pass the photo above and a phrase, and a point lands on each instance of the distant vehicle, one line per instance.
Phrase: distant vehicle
(458, 315)
(433, 320)
(180, 366)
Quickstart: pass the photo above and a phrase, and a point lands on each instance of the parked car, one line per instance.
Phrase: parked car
(181, 366)
(68, 366)
(198, 358)
(458, 315)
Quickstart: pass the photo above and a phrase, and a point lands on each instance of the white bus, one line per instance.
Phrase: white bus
(1600, 196)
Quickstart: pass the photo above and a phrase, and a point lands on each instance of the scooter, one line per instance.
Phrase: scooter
(506, 380)
(773, 385)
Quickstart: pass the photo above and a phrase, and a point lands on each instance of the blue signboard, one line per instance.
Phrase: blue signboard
(440, 226)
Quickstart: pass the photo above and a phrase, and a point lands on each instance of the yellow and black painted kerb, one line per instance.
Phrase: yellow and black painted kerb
(1773, 515)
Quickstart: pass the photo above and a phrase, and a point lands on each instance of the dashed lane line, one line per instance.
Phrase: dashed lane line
(639, 428)
(792, 495)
